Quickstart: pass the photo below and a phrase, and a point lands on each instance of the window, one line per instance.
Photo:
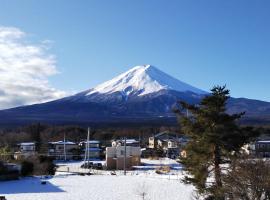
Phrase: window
(122, 152)
(60, 148)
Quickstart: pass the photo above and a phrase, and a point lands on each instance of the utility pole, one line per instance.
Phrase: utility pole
(65, 154)
(88, 136)
(125, 156)
(167, 154)
(86, 154)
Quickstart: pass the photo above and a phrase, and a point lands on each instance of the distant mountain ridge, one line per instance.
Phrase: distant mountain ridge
(143, 93)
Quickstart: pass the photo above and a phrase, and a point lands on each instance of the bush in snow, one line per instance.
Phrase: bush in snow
(38, 165)
(3, 168)
(27, 168)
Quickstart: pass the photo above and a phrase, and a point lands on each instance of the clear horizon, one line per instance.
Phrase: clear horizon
(53, 48)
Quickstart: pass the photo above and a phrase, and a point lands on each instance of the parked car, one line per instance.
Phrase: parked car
(88, 165)
(97, 166)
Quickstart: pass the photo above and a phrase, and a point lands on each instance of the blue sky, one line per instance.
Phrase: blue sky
(202, 42)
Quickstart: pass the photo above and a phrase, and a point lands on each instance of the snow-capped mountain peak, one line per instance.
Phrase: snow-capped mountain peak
(142, 80)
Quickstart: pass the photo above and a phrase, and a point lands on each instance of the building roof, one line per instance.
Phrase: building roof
(170, 136)
(63, 142)
(128, 141)
(166, 135)
(93, 149)
(27, 143)
(91, 142)
(263, 141)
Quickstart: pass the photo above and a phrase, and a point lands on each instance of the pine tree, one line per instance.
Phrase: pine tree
(35, 130)
(214, 136)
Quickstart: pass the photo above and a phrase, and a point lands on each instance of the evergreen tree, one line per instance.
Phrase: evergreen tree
(214, 137)
(35, 131)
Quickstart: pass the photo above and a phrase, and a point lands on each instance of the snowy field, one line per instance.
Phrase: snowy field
(100, 187)
(96, 187)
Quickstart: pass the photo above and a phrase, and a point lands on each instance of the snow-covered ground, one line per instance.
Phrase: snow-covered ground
(101, 187)
(95, 187)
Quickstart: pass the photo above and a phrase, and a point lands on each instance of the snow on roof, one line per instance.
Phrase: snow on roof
(27, 143)
(62, 143)
(131, 141)
(91, 142)
(128, 141)
(263, 141)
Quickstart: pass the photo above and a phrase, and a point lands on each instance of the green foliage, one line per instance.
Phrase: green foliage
(214, 136)
(5, 154)
(35, 131)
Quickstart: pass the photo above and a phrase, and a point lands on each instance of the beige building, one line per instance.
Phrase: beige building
(164, 140)
(170, 143)
(152, 143)
(115, 157)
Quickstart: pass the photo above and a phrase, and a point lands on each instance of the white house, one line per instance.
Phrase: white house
(61, 150)
(260, 148)
(26, 149)
(94, 148)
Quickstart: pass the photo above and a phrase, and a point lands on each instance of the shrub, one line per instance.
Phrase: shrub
(27, 168)
(38, 165)
(3, 169)
(46, 166)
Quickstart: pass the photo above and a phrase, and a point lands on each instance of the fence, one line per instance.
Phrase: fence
(175, 175)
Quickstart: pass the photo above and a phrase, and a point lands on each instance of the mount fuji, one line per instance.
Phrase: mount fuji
(137, 83)
(143, 94)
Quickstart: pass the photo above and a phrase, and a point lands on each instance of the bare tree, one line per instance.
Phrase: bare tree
(248, 179)
(142, 191)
